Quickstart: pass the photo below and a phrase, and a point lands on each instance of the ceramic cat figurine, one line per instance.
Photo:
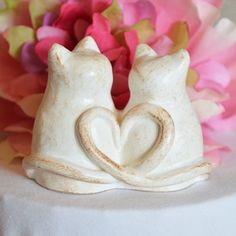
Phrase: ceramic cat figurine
(161, 81)
(77, 81)
(65, 157)
(81, 144)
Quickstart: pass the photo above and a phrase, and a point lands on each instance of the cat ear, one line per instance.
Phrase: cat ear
(181, 57)
(87, 43)
(58, 54)
(144, 50)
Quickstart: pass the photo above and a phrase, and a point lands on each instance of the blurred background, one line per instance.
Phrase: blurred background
(229, 9)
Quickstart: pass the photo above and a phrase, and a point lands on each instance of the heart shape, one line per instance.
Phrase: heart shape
(134, 173)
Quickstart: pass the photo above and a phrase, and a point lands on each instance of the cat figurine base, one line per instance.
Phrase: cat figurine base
(82, 144)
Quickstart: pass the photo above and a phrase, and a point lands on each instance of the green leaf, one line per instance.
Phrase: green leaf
(113, 13)
(144, 29)
(6, 19)
(38, 8)
(17, 36)
(11, 3)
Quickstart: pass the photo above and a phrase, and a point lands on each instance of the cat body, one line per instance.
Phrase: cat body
(77, 81)
(161, 81)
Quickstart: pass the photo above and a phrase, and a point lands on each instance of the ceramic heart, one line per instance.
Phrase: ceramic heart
(121, 129)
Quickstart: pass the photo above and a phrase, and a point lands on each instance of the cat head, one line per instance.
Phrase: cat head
(84, 68)
(151, 71)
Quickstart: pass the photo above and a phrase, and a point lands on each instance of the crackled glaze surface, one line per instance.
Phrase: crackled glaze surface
(81, 144)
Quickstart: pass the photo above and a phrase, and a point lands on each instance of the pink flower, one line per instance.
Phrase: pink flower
(117, 27)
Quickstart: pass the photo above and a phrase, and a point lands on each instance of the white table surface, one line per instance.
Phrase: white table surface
(207, 208)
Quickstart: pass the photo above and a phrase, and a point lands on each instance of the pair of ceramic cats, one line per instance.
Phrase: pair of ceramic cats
(82, 144)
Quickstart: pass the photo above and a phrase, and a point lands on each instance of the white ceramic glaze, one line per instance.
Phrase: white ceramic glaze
(162, 81)
(81, 144)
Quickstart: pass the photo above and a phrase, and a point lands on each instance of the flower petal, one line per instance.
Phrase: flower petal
(25, 126)
(43, 46)
(230, 104)
(80, 28)
(223, 35)
(100, 30)
(162, 45)
(21, 142)
(39, 8)
(206, 109)
(49, 18)
(7, 113)
(121, 100)
(207, 12)
(170, 11)
(106, 45)
(179, 36)
(30, 104)
(216, 3)
(26, 85)
(15, 13)
(17, 36)
(138, 10)
(212, 71)
(214, 156)
(51, 32)
(114, 14)
(69, 12)
(226, 27)
(131, 39)
(210, 140)
(11, 3)
(228, 58)
(144, 29)
(222, 124)
(207, 94)
(100, 23)
(192, 78)
(130, 13)
(30, 60)
(114, 54)
(120, 84)
(6, 19)
(7, 63)
(98, 5)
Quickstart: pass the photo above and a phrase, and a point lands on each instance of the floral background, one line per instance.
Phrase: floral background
(28, 28)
